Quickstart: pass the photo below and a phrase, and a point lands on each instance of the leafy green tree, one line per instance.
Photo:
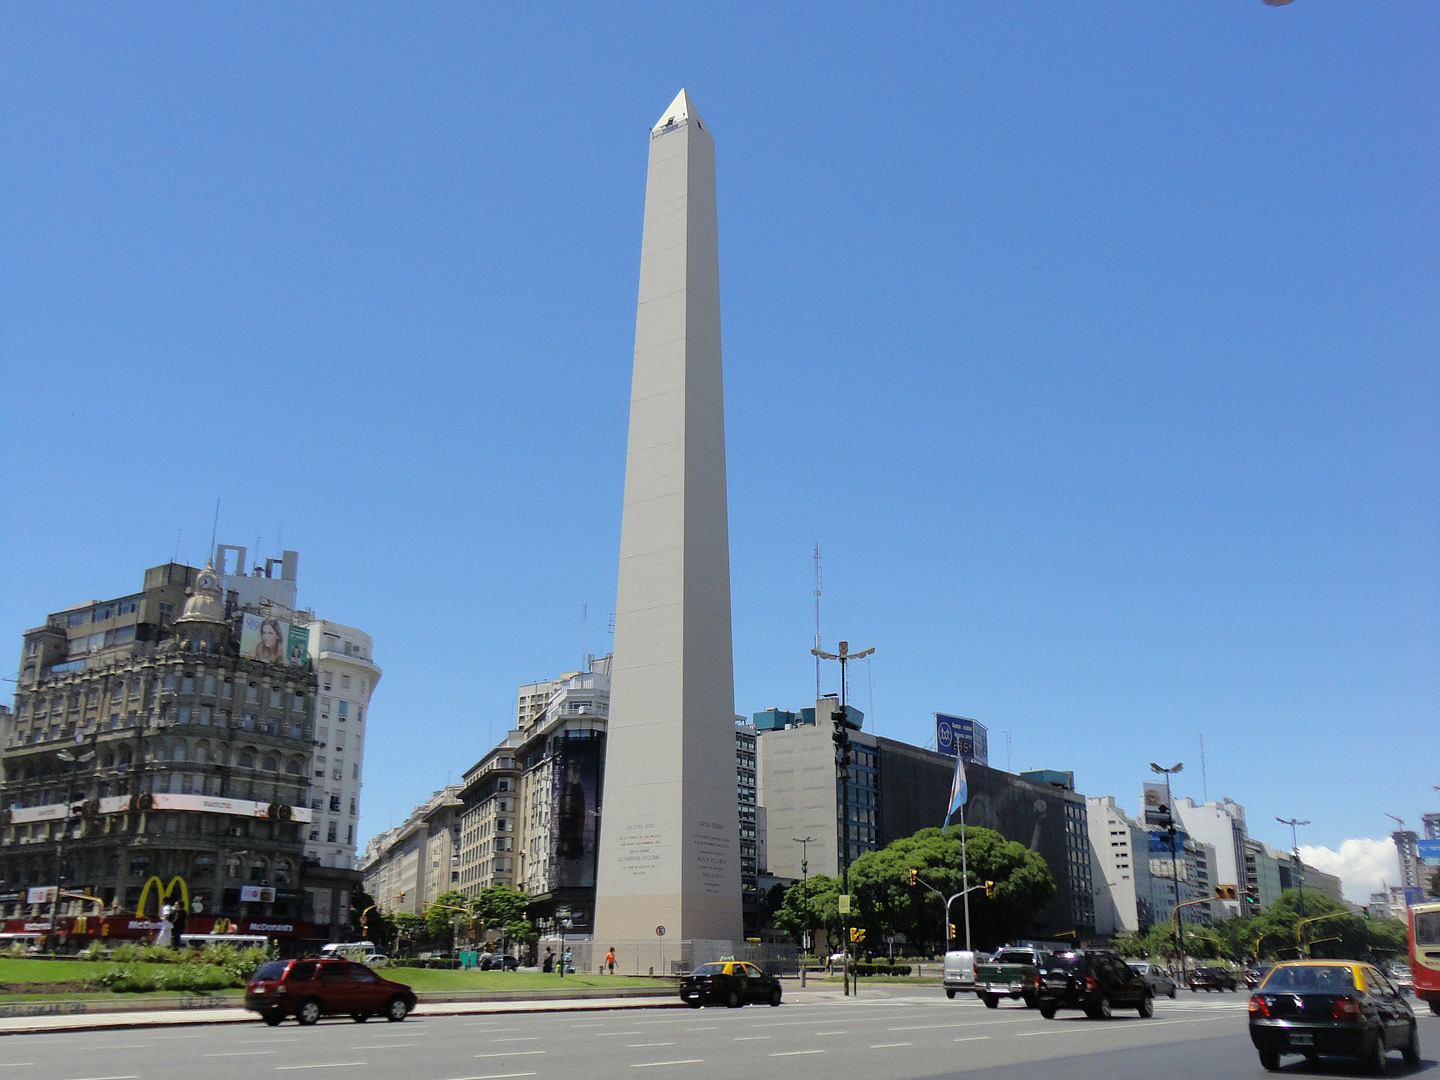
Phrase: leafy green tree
(502, 908)
(408, 930)
(443, 910)
(1435, 883)
(889, 904)
(811, 905)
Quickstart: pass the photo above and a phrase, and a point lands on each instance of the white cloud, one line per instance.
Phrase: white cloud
(1363, 865)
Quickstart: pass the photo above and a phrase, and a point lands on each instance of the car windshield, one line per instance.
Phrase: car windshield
(1067, 962)
(269, 971)
(1330, 979)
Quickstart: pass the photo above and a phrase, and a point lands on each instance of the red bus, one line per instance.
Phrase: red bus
(1425, 952)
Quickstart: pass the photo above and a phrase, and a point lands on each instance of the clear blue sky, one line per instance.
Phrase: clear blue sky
(1095, 344)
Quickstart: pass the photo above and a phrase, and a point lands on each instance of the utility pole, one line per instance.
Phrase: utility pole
(1174, 861)
(842, 765)
(1299, 867)
(804, 842)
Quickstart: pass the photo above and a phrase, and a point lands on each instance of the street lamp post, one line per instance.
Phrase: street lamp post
(842, 765)
(1295, 846)
(804, 842)
(74, 762)
(1174, 861)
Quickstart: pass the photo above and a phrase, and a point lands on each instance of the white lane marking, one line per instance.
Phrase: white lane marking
(1029, 1034)
(750, 1038)
(887, 1046)
(386, 1046)
(324, 1065)
(241, 1053)
(640, 1046)
(655, 1064)
(513, 1053)
(519, 1038)
(795, 1053)
(605, 1034)
(971, 1038)
(493, 1076)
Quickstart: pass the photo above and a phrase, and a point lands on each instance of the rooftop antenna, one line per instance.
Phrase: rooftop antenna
(214, 527)
(584, 635)
(817, 619)
(179, 533)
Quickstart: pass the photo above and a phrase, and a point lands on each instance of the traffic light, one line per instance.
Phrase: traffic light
(952, 931)
(914, 876)
(1252, 894)
(402, 897)
(1225, 892)
(1365, 911)
(857, 934)
(989, 888)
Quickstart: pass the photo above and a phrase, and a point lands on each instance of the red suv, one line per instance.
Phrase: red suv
(310, 989)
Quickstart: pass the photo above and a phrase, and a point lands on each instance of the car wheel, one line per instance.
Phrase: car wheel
(1411, 1050)
(1103, 1011)
(1030, 1000)
(950, 994)
(1375, 1057)
(1146, 1006)
(309, 1012)
(360, 1018)
(1269, 1060)
(733, 1000)
(1172, 993)
(1048, 1011)
(396, 1010)
(273, 1017)
(991, 1001)
(775, 997)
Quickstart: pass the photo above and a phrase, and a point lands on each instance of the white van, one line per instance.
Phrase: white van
(363, 952)
(959, 973)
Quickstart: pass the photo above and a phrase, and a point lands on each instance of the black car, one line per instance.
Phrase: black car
(1255, 974)
(1331, 1007)
(310, 989)
(1212, 978)
(1095, 980)
(734, 982)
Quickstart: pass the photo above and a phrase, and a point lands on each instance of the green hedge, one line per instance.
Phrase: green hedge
(872, 969)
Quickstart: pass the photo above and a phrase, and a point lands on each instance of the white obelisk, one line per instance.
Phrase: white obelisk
(669, 860)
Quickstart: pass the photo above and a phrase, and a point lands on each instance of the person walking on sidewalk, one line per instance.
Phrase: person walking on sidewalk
(610, 961)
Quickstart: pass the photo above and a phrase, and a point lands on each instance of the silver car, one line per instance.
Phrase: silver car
(1156, 977)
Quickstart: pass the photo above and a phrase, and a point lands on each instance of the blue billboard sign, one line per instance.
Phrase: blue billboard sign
(1428, 849)
(964, 736)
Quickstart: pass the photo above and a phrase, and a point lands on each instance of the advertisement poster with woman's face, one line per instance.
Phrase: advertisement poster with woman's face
(272, 640)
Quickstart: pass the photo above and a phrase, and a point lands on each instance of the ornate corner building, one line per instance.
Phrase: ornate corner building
(165, 745)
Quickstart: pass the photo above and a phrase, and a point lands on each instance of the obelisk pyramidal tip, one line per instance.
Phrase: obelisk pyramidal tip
(669, 861)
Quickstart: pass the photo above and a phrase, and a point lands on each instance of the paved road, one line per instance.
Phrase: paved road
(880, 1036)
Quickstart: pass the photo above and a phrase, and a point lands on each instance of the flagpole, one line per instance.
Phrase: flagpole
(964, 878)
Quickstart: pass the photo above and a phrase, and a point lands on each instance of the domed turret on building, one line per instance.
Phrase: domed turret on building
(202, 626)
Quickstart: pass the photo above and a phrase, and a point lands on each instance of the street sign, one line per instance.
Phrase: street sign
(659, 931)
(843, 903)
(562, 911)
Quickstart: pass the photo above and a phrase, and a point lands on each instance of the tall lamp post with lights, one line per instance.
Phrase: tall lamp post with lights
(1295, 851)
(1174, 861)
(804, 842)
(842, 767)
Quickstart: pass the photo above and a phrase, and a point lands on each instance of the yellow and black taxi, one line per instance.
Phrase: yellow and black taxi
(314, 987)
(1331, 1008)
(730, 982)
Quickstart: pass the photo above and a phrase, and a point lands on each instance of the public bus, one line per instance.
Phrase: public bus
(1425, 952)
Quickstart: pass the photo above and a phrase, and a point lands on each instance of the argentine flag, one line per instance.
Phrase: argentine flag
(959, 789)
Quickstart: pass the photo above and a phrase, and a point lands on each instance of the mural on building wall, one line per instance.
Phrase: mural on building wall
(575, 796)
